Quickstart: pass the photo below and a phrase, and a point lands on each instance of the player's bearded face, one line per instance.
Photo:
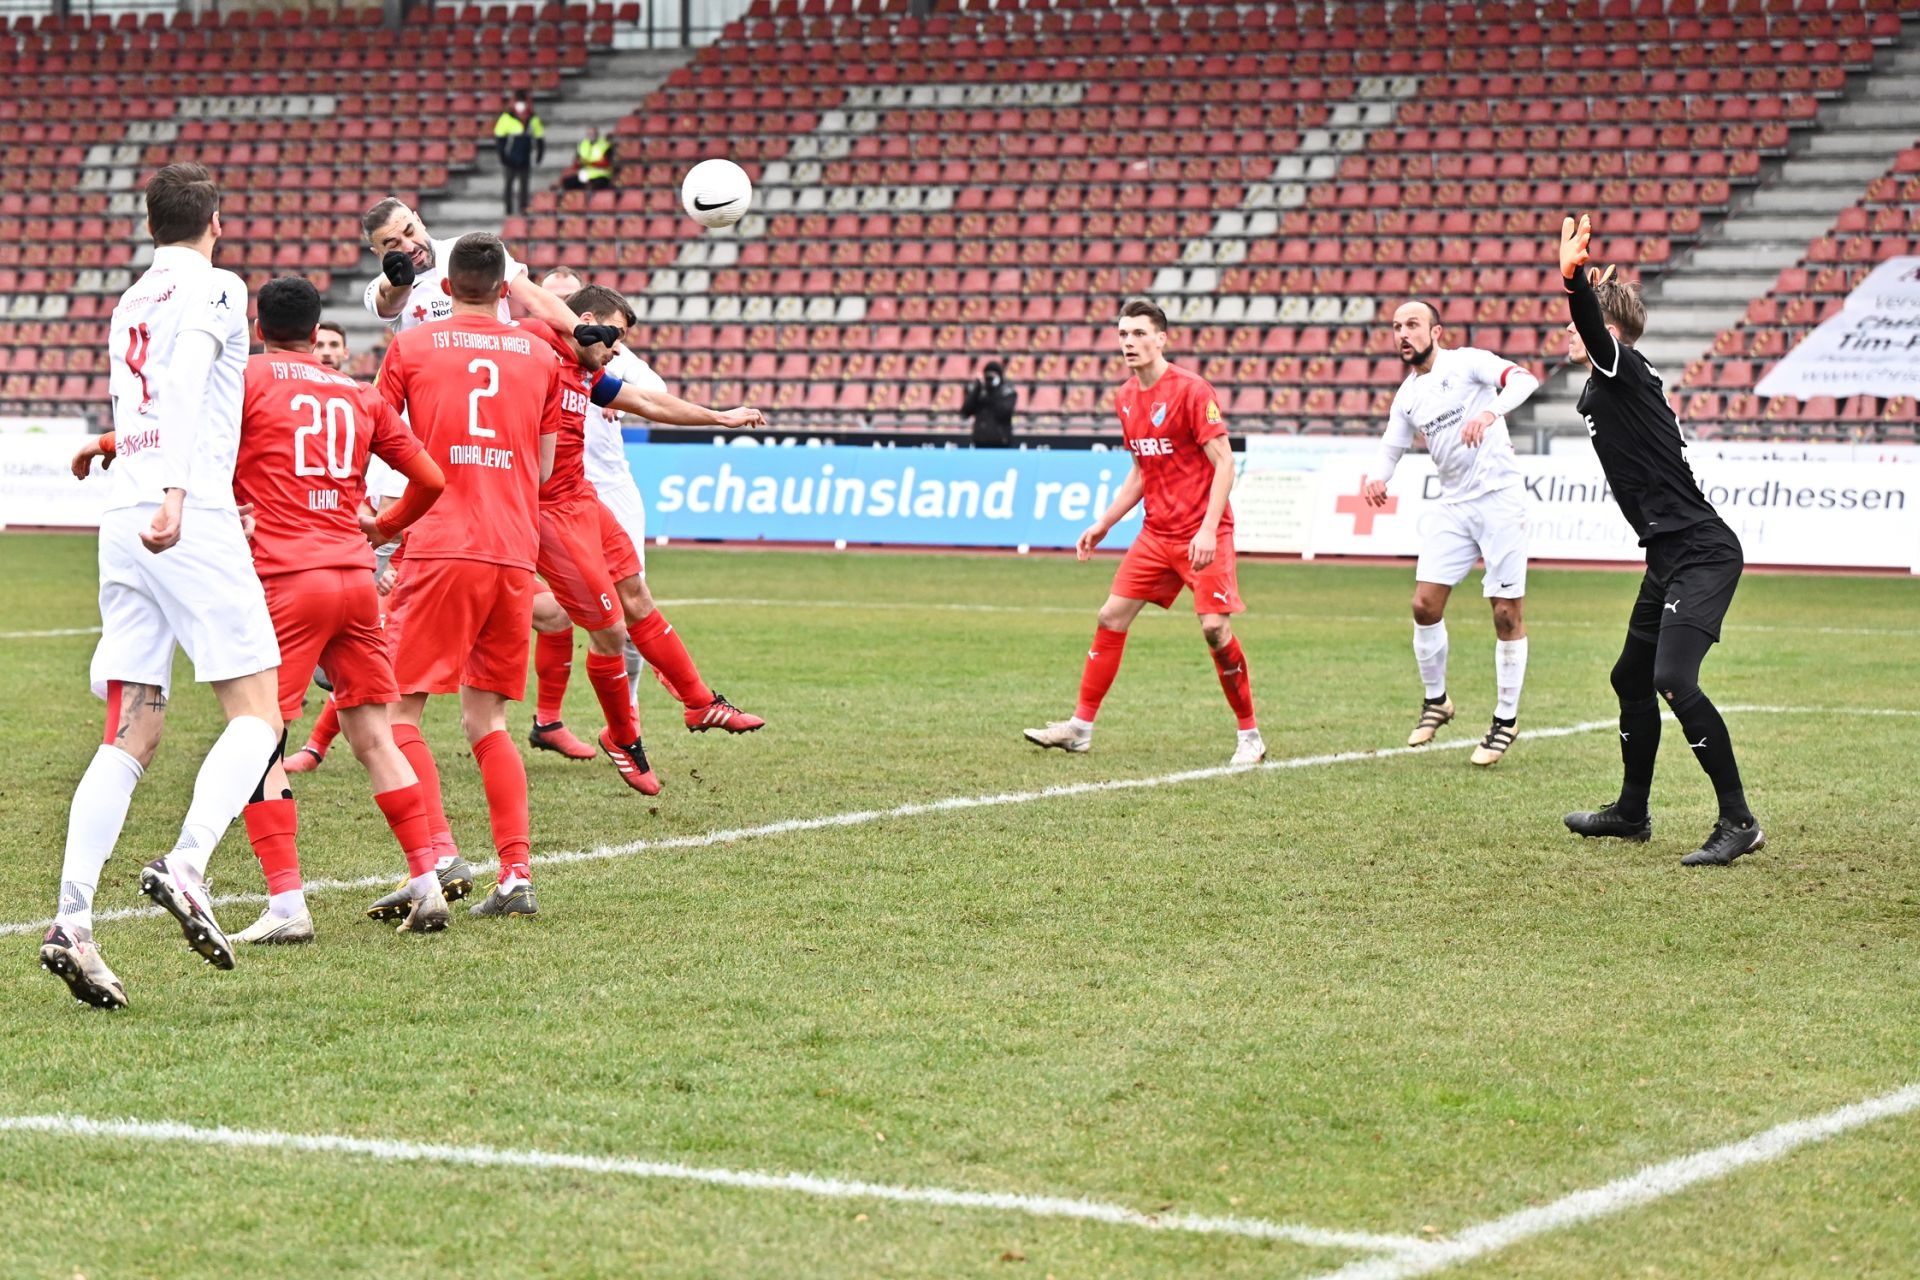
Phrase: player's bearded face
(1412, 354)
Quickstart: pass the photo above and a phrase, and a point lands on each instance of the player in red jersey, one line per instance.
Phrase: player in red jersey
(604, 315)
(1183, 468)
(579, 567)
(485, 398)
(306, 433)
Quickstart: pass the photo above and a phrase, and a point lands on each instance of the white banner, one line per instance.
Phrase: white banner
(42, 426)
(36, 487)
(1705, 452)
(1836, 515)
(1872, 348)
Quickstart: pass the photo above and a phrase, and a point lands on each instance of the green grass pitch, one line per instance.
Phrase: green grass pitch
(1386, 995)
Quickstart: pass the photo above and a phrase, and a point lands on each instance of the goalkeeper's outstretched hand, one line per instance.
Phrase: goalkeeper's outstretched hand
(1574, 238)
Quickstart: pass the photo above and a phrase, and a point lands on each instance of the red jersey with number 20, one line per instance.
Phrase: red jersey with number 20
(305, 433)
(479, 394)
(569, 478)
(1165, 426)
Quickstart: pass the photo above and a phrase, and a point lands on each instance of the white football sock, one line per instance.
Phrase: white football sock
(1430, 651)
(509, 883)
(421, 885)
(93, 828)
(1509, 673)
(1249, 735)
(287, 905)
(445, 860)
(230, 774)
(1082, 727)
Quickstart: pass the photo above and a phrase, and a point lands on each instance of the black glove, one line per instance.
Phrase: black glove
(602, 335)
(397, 267)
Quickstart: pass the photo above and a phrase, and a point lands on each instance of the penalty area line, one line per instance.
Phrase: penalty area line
(853, 818)
(955, 804)
(1037, 1206)
(1655, 1182)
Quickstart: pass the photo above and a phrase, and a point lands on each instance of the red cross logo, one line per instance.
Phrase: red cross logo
(419, 313)
(1355, 505)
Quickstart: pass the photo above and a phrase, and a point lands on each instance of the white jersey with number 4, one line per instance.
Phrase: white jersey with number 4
(1463, 382)
(426, 300)
(181, 293)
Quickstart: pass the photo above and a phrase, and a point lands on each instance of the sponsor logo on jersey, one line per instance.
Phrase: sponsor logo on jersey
(1151, 447)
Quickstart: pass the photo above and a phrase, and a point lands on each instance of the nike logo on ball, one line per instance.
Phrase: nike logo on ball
(704, 207)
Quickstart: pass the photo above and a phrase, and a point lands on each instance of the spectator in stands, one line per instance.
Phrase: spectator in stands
(522, 142)
(595, 153)
(990, 403)
(330, 346)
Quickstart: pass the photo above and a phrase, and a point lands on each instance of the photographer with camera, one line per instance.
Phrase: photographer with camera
(990, 402)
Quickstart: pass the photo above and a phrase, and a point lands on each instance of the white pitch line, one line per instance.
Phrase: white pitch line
(800, 1183)
(1656, 1182)
(49, 635)
(1366, 619)
(854, 818)
(951, 804)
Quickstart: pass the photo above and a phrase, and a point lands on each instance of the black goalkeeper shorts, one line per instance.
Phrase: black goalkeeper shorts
(1690, 581)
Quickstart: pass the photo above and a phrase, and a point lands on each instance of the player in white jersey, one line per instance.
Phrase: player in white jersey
(174, 569)
(407, 291)
(1459, 398)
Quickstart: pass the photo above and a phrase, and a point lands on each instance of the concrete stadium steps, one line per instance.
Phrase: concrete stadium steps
(1768, 229)
(473, 202)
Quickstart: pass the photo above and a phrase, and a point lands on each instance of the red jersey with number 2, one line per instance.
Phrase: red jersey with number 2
(1165, 426)
(305, 433)
(479, 394)
(569, 478)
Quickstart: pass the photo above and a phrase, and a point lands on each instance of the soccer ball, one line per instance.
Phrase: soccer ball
(716, 193)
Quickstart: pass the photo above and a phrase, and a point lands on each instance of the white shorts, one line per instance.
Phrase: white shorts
(624, 501)
(1491, 527)
(201, 593)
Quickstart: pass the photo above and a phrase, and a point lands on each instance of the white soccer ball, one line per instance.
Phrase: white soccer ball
(716, 193)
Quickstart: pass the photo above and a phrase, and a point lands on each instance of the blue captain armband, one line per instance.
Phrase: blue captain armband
(606, 389)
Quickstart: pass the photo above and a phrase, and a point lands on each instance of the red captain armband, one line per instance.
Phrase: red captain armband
(606, 389)
(108, 444)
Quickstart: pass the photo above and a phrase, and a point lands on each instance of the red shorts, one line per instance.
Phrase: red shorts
(583, 553)
(462, 623)
(1155, 570)
(330, 618)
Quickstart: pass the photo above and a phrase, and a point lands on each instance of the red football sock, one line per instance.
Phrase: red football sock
(325, 729)
(272, 826)
(552, 664)
(608, 675)
(1232, 666)
(503, 775)
(406, 812)
(1103, 664)
(654, 636)
(414, 748)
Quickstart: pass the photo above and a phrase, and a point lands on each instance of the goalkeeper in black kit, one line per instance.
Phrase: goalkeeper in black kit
(1693, 562)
